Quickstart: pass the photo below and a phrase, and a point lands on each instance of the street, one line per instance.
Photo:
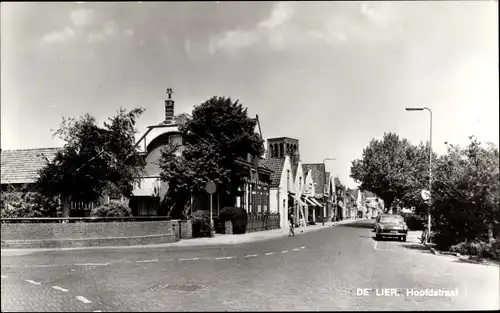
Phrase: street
(320, 270)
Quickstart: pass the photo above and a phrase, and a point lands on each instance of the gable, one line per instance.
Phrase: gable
(22, 166)
(318, 176)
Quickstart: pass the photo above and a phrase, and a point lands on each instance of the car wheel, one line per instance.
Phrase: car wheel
(404, 238)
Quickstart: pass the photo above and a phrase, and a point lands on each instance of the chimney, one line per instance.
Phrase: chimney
(169, 107)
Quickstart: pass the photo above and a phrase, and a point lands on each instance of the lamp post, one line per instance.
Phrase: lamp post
(430, 168)
(324, 193)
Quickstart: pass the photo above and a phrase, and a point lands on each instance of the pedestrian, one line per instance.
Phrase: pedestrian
(291, 231)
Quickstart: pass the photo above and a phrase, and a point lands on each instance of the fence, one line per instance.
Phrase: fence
(260, 222)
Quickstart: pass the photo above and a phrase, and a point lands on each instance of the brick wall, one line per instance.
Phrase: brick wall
(45, 235)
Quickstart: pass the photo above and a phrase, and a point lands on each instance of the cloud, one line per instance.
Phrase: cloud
(110, 29)
(129, 32)
(59, 36)
(302, 23)
(81, 17)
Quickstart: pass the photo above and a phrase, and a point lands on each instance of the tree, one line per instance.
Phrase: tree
(219, 133)
(466, 194)
(391, 168)
(94, 159)
(23, 202)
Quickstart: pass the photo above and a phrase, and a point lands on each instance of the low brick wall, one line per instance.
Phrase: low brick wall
(59, 235)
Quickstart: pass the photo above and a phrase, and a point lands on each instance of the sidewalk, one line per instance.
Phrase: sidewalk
(218, 239)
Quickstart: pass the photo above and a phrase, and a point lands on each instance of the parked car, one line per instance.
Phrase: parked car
(389, 225)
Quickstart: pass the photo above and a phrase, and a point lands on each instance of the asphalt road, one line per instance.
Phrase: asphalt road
(321, 270)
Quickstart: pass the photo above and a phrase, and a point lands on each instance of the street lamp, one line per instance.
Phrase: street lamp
(324, 193)
(430, 168)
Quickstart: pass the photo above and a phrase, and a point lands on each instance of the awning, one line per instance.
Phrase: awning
(316, 201)
(147, 187)
(309, 201)
(297, 198)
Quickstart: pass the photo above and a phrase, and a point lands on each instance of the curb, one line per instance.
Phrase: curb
(434, 251)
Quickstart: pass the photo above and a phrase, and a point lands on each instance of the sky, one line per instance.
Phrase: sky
(333, 75)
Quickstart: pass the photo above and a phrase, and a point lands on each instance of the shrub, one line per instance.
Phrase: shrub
(478, 248)
(200, 221)
(237, 216)
(114, 208)
(28, 204)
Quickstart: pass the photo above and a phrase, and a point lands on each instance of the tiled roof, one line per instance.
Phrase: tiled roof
(318, 176)
(275, 165)
(22, 166)
(337, 181)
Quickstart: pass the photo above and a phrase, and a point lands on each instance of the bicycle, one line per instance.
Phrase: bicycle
(425, 236)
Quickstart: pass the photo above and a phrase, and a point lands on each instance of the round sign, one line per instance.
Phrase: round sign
(210, 187)
(426, 195)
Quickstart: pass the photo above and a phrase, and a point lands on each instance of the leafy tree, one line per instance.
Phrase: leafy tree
(219, 133)
(94, 159)
(391, 168)
(466, 194)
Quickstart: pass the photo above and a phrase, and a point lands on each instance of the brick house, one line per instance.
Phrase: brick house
(255, 192)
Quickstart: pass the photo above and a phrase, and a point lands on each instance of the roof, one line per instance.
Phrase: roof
(318, 176)
(275, 165)
(22, 166)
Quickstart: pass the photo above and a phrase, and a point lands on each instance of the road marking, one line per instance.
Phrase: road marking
(33, 282)
(284, 251)
(269, 253)
(302, 247)
(60, 288)
(92, 264)
(83, 299)
(225, 258)
(147, 261)
(251, 255)
(296, 249)
(73, 270)
(190, 259)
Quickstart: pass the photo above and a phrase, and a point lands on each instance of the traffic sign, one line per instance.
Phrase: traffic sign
(426, 195)
(211, 187)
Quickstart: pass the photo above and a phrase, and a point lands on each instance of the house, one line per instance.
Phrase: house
(19, 171)
(330, 195)
(316, 183)
(21, 167)
(280, 186)
(254, 194)
(282, 158)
